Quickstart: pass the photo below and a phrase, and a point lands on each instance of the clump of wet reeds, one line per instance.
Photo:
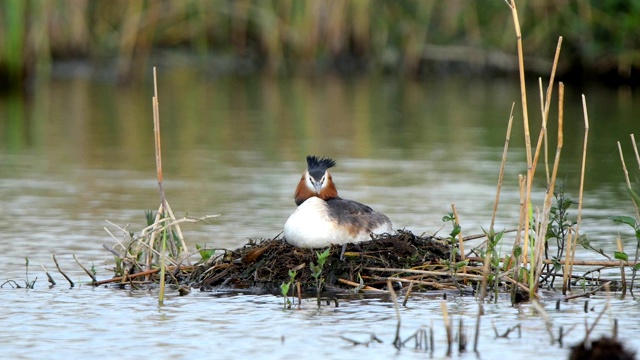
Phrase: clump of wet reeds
(160, 246)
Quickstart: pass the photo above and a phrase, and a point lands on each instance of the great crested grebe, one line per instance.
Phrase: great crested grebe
(323, 218)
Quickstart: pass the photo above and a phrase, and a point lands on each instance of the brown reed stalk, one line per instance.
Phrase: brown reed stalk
(94, 281)
(547, 103)
(522, 179)
(626, 177)
(566, 274)
(502, 165)
(542, 138)
(447, 326)
(397, 342)
(635, 149)
(546, 143)
(527, 136)
(55, 261)
(622, 264)
(460, 238)
(542, 229)
(571, 248)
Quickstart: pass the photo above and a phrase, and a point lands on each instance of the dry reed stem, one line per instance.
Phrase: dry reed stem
(93, 277)
(542, 229)
(460, 238)
(502, 165)
(622, 265)
(545, 317)
(547, 103)
(49, 277)
(55, 261)
(397, 342)
(589, 329)
(518, 239)
(571, 253)
(566, 270)
(635, 149)
(546, 143)
(626, 177)
(359, 286)
(447, 325)
(127, 277)
(525, 120)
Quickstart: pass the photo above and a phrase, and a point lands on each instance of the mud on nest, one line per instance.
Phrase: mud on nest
(264, 265)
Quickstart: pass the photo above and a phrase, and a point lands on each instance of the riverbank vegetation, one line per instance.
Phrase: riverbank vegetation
(286, 36)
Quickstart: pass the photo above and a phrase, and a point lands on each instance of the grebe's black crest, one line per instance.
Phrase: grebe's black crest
(318, 166)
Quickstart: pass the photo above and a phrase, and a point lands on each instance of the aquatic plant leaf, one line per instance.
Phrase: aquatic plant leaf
(462, 264)
(621, 256)
(455, 231)
(205, 254)
(517, 251)
(448, 217)
(582, 240)
(624, 220)
(285, 288)
(636, 267)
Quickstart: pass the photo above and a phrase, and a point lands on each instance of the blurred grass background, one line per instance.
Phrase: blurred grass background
(410, 37)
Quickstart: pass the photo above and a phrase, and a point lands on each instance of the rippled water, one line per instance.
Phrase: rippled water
(63, 323)
(80, 151)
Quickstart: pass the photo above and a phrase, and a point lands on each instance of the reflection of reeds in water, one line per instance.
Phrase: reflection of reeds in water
(285, 35)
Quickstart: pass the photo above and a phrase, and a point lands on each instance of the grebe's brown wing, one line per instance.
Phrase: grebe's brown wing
(355, 216)
(342, 207)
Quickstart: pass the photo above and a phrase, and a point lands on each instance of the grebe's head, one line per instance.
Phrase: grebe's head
(316, 180)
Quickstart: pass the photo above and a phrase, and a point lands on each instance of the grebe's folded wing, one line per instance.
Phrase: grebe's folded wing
(342, 207)
(358, 218)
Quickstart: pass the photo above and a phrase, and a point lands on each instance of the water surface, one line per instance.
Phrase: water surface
(79, 151)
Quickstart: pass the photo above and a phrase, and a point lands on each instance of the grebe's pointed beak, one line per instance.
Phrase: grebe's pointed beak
(317, 186)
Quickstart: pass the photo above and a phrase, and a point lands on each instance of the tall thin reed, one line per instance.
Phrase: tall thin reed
(635, 149)
(536, 267)
(502, 165)
(572, 247)
(527, 137)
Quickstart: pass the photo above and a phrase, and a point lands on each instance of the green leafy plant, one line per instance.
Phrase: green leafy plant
(284, 288)
(205, 253)
(316, 271)
(453, 237)
(558, 228)
(628, 220)
(493, 277)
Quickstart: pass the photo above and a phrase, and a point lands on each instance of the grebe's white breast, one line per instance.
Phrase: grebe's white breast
(318, 223)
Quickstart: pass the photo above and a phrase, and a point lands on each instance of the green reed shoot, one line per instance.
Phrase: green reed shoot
(316, 271)
(284, 288)
(28, 284)
(205, 253)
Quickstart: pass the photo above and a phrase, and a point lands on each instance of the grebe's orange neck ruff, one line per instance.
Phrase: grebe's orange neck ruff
(316, 181)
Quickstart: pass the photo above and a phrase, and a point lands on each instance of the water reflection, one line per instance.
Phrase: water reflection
(81, 151)
(235, 146)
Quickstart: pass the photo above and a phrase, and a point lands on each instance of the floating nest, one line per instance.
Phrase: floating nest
(262, 266)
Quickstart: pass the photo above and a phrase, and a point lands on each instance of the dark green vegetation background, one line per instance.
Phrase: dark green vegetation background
(411, 37)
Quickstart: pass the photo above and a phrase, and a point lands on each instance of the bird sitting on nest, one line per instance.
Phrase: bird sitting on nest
(323, 218)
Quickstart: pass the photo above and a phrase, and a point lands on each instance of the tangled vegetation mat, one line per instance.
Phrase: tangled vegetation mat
(265, 265)
(262, 266)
